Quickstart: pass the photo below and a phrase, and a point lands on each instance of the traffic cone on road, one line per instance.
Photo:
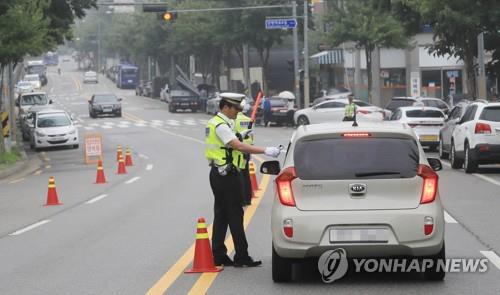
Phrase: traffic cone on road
(121, 166)
(203, 258)
(253, 179)
(100, 178)
(119, 153)
(52, 199)
(128, 158)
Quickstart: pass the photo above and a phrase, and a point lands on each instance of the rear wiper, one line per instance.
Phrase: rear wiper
(376, 173)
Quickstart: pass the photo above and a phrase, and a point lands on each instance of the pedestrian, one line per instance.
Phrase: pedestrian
(222, 150)
(266, 106)
(494, 97)
(350, 109)
(243, 128)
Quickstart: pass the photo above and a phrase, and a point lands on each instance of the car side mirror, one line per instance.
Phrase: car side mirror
(435, 164)
(120, 99)
(51, 101)
(270, 167)
(446, 118)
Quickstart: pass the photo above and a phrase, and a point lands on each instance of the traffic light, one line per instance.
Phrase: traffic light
(167, 16)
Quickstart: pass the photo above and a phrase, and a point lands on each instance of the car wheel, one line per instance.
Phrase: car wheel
(470, 162)
(281, 268)
(436, 273)
(302, 120)
(442, 154)
(456, 163)
(75, 146)
(119, 114)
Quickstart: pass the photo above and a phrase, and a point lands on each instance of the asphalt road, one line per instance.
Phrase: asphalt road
(136, 233)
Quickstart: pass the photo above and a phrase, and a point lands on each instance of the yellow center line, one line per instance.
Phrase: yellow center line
(206, 279)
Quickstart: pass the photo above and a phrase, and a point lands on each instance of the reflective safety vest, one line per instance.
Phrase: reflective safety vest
(215, 150)
(242, 124)
(350, 110)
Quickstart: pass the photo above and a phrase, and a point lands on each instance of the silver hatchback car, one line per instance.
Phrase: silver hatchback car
(368, 189)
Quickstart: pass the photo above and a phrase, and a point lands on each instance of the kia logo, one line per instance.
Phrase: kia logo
(357, 188)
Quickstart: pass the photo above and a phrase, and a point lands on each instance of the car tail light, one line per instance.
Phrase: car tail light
(430, 186)
(484, 148)
(428, 225)
(364, 112)
(482, 128)
(288, 227)
(284, 186)
(356, 134)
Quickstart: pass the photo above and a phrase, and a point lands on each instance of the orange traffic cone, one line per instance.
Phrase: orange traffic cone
(121, 166)
(100, 178)
(128, 158)
(203, 258)
(52, 199)
(119, 153)
(253, 179)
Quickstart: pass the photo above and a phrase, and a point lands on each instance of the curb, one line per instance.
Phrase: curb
(17, 167)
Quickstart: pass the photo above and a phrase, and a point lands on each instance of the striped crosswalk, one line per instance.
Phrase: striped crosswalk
(122, 124)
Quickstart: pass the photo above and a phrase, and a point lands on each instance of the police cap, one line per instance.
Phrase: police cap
(233, 98)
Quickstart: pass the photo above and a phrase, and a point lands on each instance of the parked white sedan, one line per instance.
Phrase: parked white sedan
(53, 128)
(425, 121)
(334, 110)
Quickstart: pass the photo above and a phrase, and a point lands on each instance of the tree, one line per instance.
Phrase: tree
(456, 25)
(367, 23)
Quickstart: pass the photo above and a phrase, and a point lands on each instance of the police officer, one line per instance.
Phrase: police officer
(223, 149)
(350, 109)
(243, 128)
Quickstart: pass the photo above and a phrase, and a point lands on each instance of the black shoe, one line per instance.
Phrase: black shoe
(247, 262)
(224, 260)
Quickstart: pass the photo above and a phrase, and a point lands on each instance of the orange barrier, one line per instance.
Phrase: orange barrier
(100, 178)
(119, 153)
(203, 258)
(121, 165)
(128, 158)
(253, 178)
(52, 199)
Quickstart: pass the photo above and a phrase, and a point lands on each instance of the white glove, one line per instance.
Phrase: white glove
(272, 151)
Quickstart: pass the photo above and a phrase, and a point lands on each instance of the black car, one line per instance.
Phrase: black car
(105, 104)
(280, 114)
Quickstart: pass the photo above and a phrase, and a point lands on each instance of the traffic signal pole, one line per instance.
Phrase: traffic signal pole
(296, 73)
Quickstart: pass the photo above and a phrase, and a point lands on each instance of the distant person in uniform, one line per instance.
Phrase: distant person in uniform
(350, 109)
(266, 108)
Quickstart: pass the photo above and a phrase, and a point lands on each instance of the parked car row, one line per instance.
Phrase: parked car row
(144, 88)
(43, 125)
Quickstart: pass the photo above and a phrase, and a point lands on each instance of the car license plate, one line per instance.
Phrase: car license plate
(57, 139)
(184, 104)
(107, 110)
(364, 235)
(130, 81)
(428, 138)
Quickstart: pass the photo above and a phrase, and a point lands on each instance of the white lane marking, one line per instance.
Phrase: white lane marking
(139, 125)
(16, 180)
(78, 103)
(179, 135)
(122, 126)
(149, 167)
(448, 218)
(125, 122)
(483, 177)
(132, 180)
(88, 128)
(30, 227)
(143, 156)
(106, 127)
(173, 122)
(492, 257)
(94, 124)
(190, 122)
(488, 179)
(157, 121)
(108, 123)
(52, 90)
(96, 199)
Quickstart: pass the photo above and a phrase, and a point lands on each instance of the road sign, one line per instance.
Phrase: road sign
(281, 23)
(93, 148)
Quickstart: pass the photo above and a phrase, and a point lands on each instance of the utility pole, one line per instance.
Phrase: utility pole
(98, 39)
(149, 68)
(306, 54)
(246, 69)
(296, 74)
(481, 85)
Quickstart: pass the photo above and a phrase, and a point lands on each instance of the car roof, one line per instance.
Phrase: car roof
(424, 108)
(39, 108)
(52, 111)
(487, 103)
(345, 127)
(33, 93)
(404, 98)
(430, 98)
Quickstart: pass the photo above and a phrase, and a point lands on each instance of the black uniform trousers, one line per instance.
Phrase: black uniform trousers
(228, 211)
(247, 185)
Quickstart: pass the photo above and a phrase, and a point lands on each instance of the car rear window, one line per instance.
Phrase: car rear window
(424, 114)
(398, 103)
(362, 103)
(105, 98)
(34, 99)
(277, 103)
(491, 114)
(356, 158)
